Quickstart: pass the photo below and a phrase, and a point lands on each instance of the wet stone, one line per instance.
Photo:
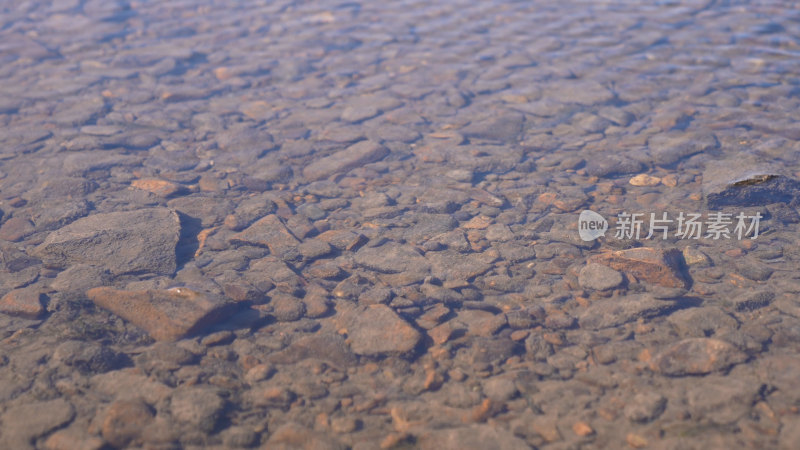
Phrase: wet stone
(248, 211)
(750, 301)
(356, 155)
(164, 314)
(613, 165)
(275, 174)
(753, 270)
(25, 421)
(123, 242)
(391, 258)
(343, 239)
(702, 322)
(784, 213)
(27, 303)
(201, 408)
(696, 258)
(88, 357)
(696, 356)
(73, 437)
(16, 228)
(377, 330)
(327, 347)
(599, 277)
(489, 350)
(51, 215)
(645, 407)
(356, 114)
(166, 354)
(270, 232)
(125, 421)
(429, 225)
(620, 310)
(475, 436)
(669, 148)
(292, 435)
(454, 266)
(286, 308)
(657, 266)
(722, 400)
(239, 437)
(314, 248)
(617, 116)
(500, 389)
(747, 183)
(503, 128)
(161, 188)
(376, 296)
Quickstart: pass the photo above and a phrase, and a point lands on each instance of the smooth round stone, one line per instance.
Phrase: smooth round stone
(599, 277)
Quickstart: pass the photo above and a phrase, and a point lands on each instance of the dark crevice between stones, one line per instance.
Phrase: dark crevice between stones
(187, 241)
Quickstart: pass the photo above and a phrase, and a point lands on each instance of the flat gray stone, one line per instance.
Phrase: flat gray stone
(356, 155)
(391, 258)
(599, 277)
(696, 356)
(617, 311)
(269, 231)
(328, 347)
(141, 241)
(668, 148)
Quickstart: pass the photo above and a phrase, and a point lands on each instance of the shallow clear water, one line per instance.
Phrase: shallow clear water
(342, 224)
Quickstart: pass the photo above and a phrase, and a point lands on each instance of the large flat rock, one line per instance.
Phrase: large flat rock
(696, 356)
(747, 183)
(651, 265)
(614, 312)
(166, 315)
(141, 241)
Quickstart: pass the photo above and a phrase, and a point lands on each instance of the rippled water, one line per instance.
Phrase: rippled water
(355, 225)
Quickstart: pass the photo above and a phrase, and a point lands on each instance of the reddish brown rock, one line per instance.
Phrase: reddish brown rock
(162, 188)
(72, 438)
(652, 265)
(696, 356)
(15, 229)
(25, 303)
(166, 315)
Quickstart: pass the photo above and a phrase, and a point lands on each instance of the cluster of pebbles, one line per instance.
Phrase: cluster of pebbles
(332, 225)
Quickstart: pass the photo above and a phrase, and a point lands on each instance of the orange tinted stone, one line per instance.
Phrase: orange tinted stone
(582, 429)
(25, 303)
(162, 188)
(166, 315)
(656, 266)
